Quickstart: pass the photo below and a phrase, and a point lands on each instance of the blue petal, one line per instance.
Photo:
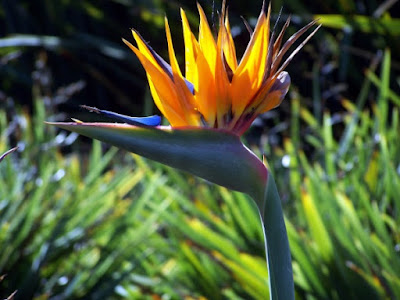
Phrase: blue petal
(138, 121)
(149, 121)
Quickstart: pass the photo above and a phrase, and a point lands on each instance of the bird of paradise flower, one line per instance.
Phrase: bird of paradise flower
(209, 109)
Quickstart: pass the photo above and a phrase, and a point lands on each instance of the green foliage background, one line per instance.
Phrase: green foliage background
(80, 220)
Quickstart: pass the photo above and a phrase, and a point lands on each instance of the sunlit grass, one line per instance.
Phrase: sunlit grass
(107, 224)
(81, 222)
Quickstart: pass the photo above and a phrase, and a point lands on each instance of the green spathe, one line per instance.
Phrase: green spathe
(215, 155)
(219, 157)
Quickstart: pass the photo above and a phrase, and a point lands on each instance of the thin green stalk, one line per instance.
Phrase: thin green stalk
(277, 249)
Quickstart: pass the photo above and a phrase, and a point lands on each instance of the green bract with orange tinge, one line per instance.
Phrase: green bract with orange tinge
(216, 90)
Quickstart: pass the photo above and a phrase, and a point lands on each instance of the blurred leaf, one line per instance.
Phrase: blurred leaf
(362, 23)
(317, 227)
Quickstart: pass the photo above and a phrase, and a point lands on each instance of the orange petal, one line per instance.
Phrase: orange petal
(191, 50)
(222, 84)
(163, 92)
(141, 44)
(276, 93)
(206, 93)
(248, 77)
(267, 98)
(174, 118)
(206, 40)
(270, 95)
(184, 94)
(172, 58)
(258, 44)
(228, 45)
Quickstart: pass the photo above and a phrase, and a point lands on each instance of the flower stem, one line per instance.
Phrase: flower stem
(277, 249)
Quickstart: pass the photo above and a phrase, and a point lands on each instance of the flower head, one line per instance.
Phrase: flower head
(217, 91)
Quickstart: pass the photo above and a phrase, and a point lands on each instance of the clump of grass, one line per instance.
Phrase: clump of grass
(344, 223)
(79, 222)
(1, 158)
(98, 224)
(70, 226)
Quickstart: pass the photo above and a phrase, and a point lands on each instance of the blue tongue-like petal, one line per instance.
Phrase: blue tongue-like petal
(138, 121)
